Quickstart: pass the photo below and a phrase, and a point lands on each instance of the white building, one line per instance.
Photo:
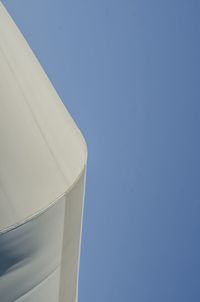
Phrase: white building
(42, 170)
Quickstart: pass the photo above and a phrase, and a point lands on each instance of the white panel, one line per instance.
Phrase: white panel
(71, 243)
(42, 171)
(46, 291)
(42, 150)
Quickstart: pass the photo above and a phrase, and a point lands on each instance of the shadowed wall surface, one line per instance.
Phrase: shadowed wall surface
(128, 71)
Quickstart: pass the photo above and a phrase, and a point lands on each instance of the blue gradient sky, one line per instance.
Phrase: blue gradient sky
(129, 72)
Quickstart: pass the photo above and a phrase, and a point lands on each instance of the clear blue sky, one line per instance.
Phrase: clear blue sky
(129, 73)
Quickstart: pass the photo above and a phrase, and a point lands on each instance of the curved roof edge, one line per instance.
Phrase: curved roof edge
(42, 150)
(42, 211)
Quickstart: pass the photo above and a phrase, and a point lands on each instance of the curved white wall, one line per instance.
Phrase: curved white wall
(42, 172)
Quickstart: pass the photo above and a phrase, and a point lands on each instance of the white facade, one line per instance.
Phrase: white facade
(42, 173)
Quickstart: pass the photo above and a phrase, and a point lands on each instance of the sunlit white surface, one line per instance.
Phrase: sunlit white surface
(42, 150)
(42, 176)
